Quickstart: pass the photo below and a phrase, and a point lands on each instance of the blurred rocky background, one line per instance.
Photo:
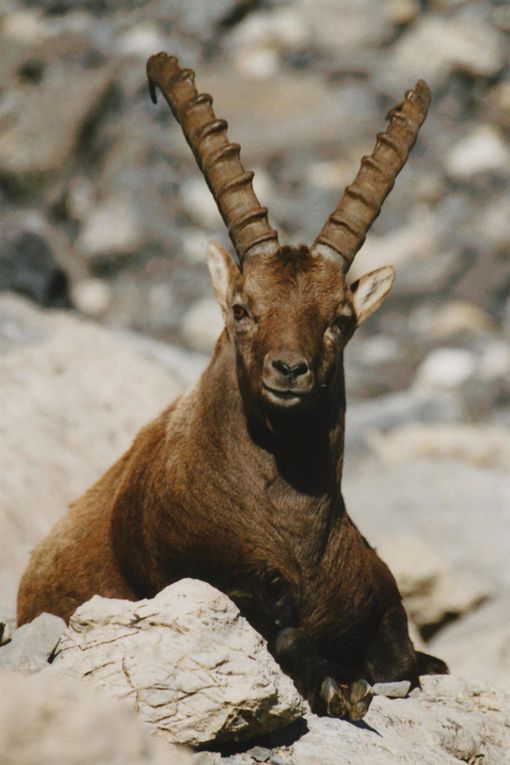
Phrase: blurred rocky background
(104, 225)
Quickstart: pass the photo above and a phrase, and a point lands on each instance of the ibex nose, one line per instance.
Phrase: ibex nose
(290, 370)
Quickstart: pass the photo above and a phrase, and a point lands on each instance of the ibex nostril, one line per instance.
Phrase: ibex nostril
(294, 370)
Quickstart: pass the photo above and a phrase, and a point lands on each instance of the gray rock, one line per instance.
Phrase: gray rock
(46, 719)
(28, 266)
(33, 644)
(259, 753)
(195, 670)
(397, 409)
(435, 47)
(446, 369)
(284, 101)
(481, 151)
(433, 592)
(73, 396)
(459, 511)
(451, 720)
(422, 262)
(111, 229)
(480, 445)
(358, 23)
(5, 633)
(392, 690)
(479, 644)
(46, 119)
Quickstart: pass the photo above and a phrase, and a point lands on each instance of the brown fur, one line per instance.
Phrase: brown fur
(233, 487)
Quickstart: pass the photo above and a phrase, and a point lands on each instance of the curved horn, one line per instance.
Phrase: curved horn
(346, 228)
(217, 158)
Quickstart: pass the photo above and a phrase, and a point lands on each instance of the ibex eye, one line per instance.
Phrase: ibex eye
(239, 312)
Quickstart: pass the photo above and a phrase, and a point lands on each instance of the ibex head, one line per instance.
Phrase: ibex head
(289, 311)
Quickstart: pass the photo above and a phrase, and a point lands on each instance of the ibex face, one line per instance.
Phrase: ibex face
(289, 315)
(288, 310)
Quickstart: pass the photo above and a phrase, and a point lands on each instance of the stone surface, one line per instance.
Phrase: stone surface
(33, 644)
(195, 670)
(446, 369)
(433, 593)
(28, 266)
(481, 445)
(436, 47)
(5, 633)
(73, 396)
(112, 229)
(46, 120)
(396, 410)
(392, 690)
(482, 151)
(46, 719)
(451, 720)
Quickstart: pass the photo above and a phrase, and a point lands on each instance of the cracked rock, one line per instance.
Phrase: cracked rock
(194, 669)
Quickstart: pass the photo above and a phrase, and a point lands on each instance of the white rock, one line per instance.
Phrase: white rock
(480, 445)
(392, 690)
(141, 41)
(282, 27)
(32, 644)
(454, 317)
(91, 296)
(46, 720)
(80, 197)
(482, 151)
(73, 396)
(446, 368)
(26, 27)
(452, 720)
(435, 47)
(431, 590)
(494, 361)
(202, 324)
(198, 202)
(194, 245)
(113, 228)
(192, 666)
(356, 23)
(403, 11)
(259, 40)
(421, 264)
(482, 636)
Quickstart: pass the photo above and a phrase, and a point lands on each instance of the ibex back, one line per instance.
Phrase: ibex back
(238, 481)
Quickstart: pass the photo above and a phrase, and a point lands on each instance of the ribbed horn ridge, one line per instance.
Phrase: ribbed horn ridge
(346, 228)
(217, 158)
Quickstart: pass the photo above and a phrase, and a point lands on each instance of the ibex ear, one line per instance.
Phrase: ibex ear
(223, 272)
(370, 290)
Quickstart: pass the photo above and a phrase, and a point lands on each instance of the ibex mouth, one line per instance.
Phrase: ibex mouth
(286, 396)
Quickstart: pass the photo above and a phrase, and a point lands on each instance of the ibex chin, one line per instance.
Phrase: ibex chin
(238, 481)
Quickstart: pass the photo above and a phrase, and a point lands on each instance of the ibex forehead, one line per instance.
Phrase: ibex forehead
(293, 274)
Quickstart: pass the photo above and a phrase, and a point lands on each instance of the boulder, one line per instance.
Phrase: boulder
(190, 664)
(46, 120)
(436, 47)
(73, 396)
(452, 720)
(433, 592)
(45, 719)
(33, 644)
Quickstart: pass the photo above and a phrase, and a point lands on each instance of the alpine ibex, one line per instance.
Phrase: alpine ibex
(238, 481)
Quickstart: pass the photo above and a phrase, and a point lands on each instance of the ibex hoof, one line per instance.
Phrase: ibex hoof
(351, 700)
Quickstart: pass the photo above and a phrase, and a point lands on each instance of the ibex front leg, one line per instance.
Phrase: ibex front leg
(329, 688)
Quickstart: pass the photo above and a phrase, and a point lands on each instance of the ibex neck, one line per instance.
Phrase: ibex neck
(306, 452)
